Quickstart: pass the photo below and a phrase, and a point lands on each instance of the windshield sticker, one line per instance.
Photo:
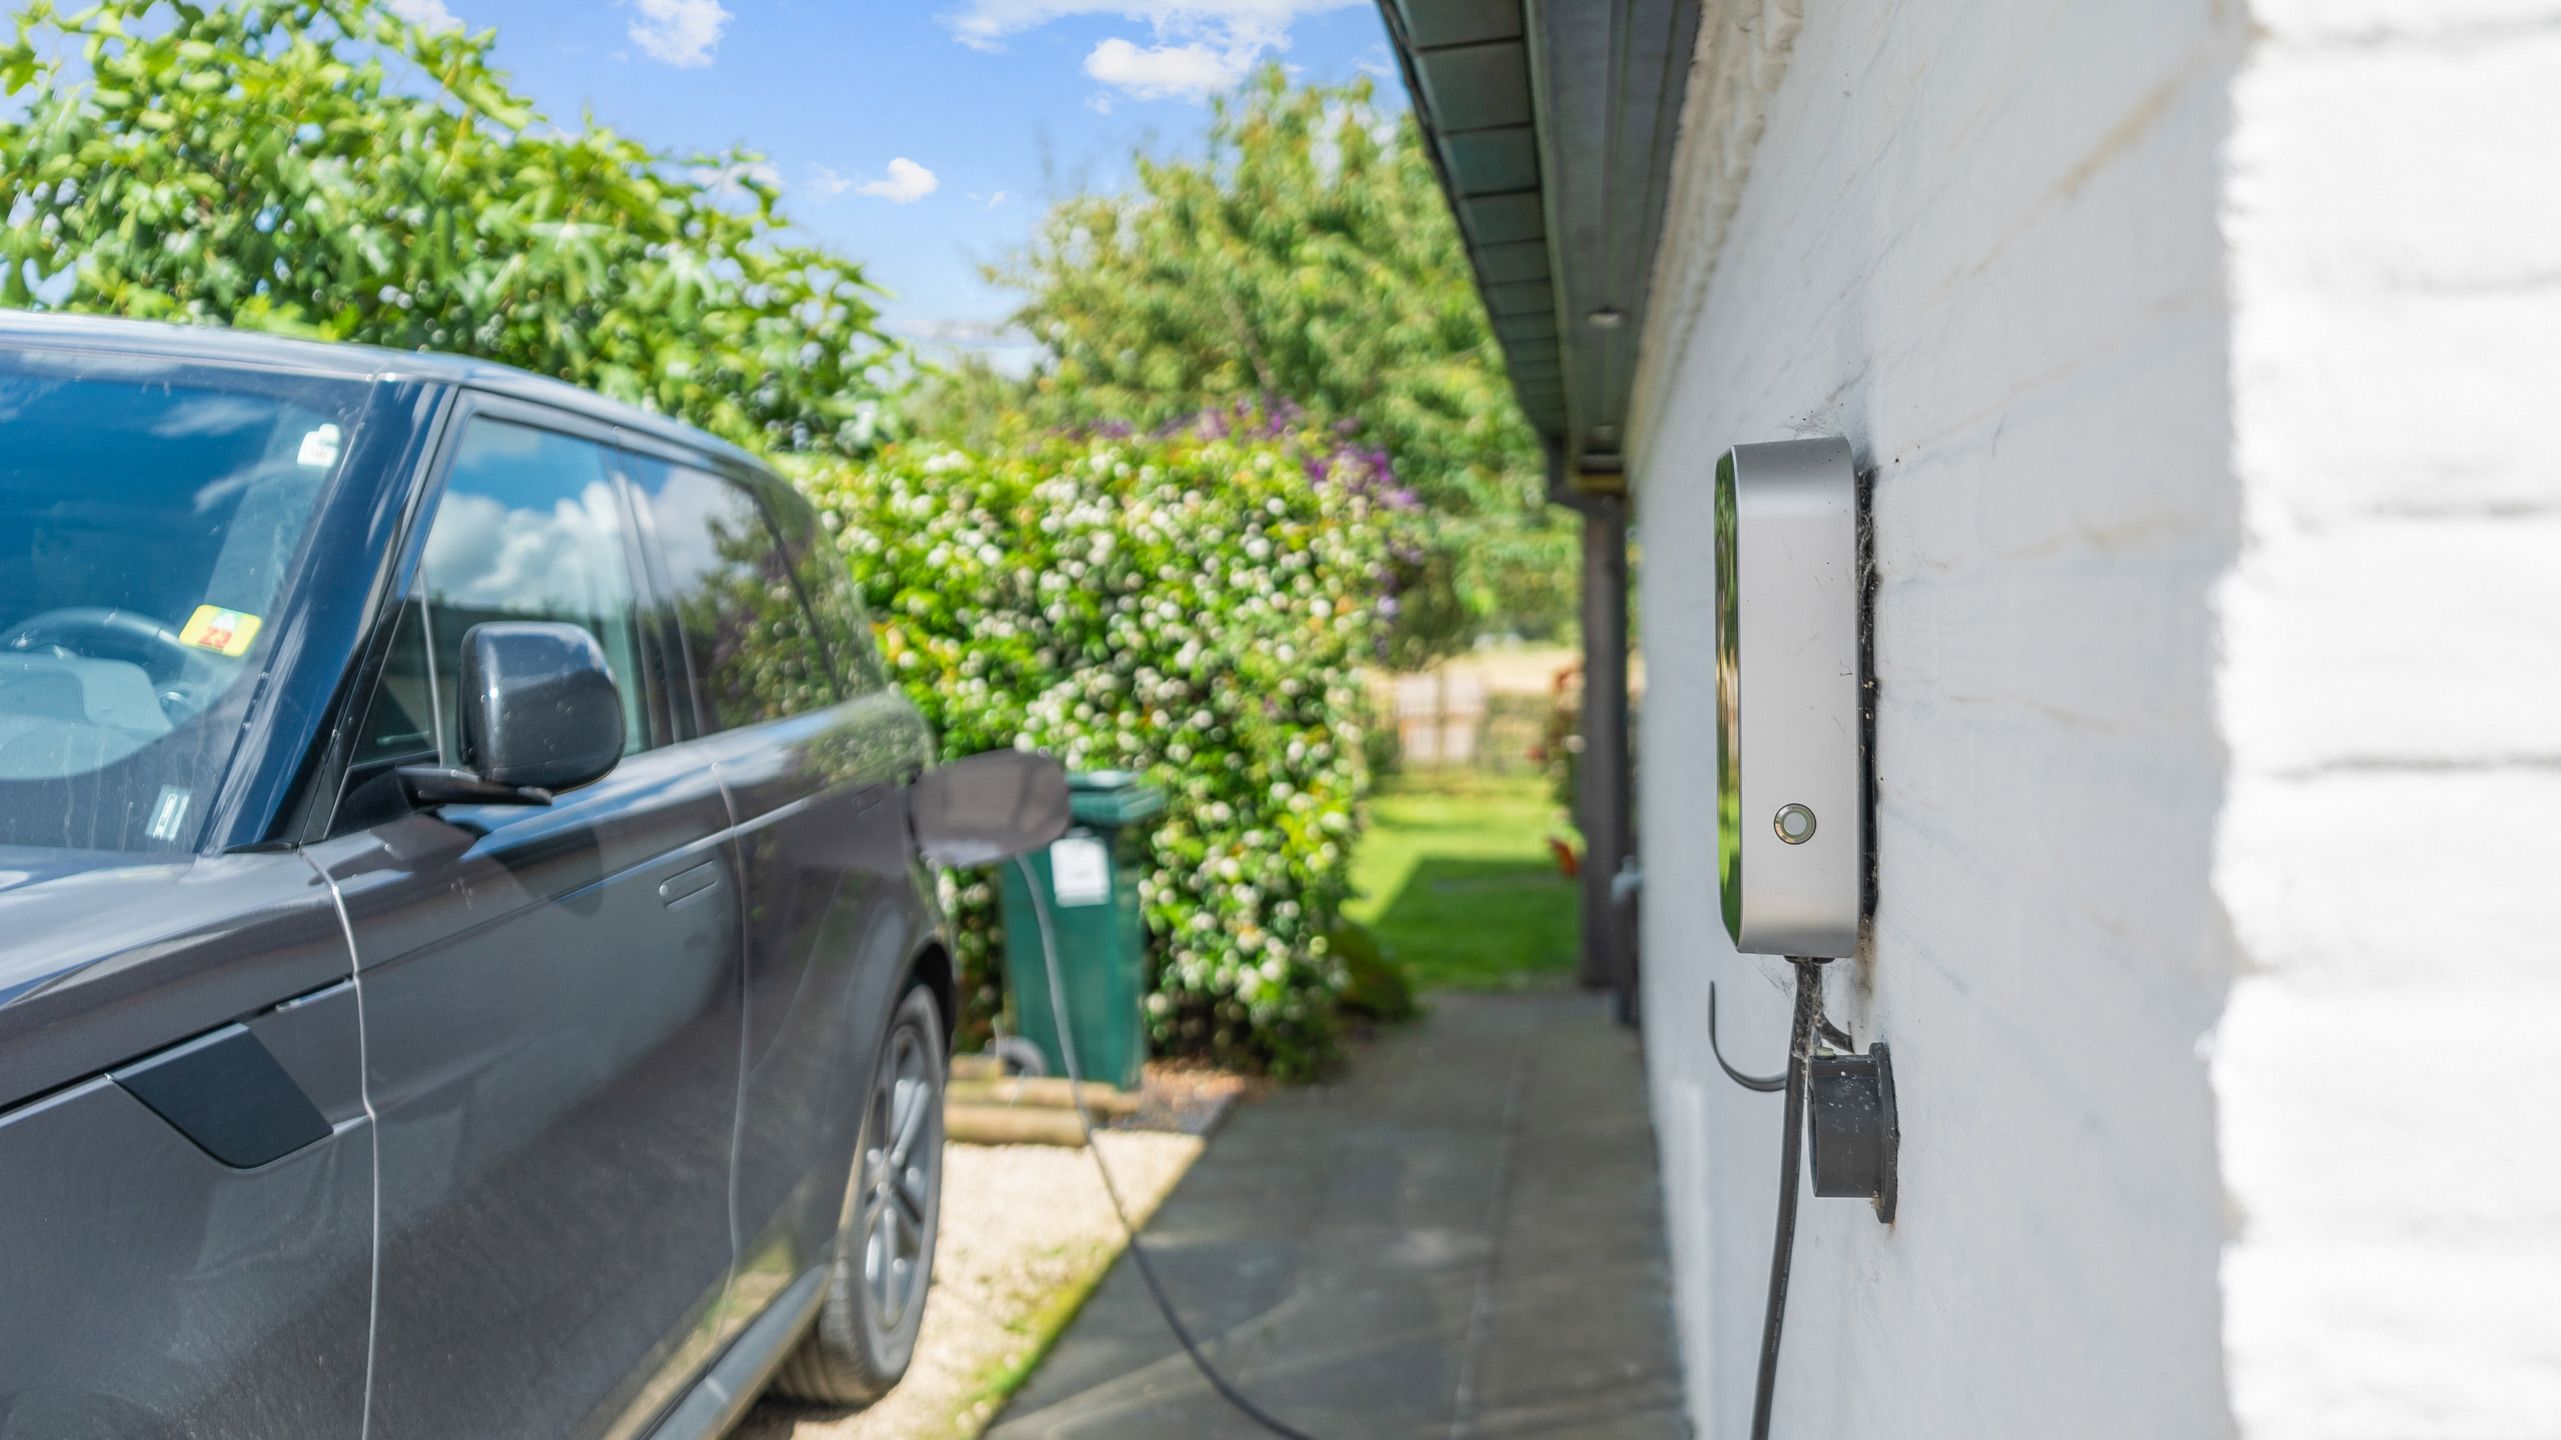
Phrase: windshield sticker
(225, 632)
(320, 447)
(170, 813)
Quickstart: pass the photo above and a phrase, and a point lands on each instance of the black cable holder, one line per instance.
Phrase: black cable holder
(1855, 1132)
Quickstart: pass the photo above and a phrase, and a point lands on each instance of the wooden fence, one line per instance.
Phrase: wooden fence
(1454, 719)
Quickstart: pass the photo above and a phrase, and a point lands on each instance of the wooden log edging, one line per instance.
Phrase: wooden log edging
(979, 1124)
(1103, 1100)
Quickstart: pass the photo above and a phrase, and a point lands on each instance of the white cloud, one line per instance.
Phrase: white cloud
(1162, 72)
(959, 331)
(986, 23)
(906, 183)
(426, 14)
(1196, 48)
(730, 181)
(824, 180)
(1001, 343)
(996, 199)
(680, 32)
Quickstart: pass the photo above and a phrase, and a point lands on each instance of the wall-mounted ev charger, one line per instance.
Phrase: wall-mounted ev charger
(1792, 843)
(1792, 828)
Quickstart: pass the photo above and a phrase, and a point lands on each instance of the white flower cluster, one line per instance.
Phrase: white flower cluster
(1192, 606)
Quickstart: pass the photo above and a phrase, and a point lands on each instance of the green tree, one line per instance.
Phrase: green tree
(1308, 256)
(324, 167)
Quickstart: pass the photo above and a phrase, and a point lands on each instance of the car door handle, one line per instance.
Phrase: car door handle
(689, 883)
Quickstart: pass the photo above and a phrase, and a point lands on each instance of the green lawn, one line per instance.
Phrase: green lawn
(1456, 880)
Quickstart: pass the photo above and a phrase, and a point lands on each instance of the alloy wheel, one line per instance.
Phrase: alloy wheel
(902, 1155)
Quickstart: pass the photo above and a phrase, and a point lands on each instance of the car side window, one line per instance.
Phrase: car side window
(400, 723)
(841, 620)
(528, 528)
(749, 641)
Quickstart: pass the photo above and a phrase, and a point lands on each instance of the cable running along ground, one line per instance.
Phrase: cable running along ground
(1234, 1397)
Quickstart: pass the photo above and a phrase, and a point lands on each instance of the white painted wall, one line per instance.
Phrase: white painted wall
(2204, 359)
(2390, 851)
(1981, 241)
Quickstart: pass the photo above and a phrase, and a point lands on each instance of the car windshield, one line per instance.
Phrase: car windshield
(150, 513)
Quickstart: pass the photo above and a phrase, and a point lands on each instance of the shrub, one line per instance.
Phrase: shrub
(1194, 605)
(1373, 985)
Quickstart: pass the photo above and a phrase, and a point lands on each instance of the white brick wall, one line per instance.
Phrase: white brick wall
(2391, 699)
(1981, 241)
(2203, 358)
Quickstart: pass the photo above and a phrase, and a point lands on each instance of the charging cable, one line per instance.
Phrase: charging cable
(1802, 1032)
(1147, 1272)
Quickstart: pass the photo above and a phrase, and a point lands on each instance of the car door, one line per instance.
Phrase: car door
(550, 993)
(812, 764)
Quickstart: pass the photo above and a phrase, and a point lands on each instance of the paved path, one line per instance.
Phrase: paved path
(1464, 1238)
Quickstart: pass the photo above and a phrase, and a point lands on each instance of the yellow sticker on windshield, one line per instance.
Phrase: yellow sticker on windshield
(225, 631)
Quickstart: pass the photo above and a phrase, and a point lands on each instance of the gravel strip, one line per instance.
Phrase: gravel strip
(1022, 1227)
(1185, 1099)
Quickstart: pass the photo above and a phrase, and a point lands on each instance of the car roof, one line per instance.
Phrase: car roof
(212, 345)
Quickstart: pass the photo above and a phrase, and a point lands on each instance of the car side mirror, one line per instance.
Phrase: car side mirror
(540, 714)
(983, 808)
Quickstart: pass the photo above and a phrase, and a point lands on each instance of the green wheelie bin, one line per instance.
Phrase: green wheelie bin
(1089, 877)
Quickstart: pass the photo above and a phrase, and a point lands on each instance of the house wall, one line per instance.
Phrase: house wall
(2202, 357)
(2389, 855)
(1982, 242)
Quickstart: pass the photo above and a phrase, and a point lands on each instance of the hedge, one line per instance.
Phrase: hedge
(1194, 604)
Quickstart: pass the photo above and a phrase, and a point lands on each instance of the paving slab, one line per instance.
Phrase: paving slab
(1462, 1238)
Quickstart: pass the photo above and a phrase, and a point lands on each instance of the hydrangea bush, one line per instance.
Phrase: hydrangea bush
(1193, 604)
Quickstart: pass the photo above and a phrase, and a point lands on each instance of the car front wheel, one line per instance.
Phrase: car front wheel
(865, 1333)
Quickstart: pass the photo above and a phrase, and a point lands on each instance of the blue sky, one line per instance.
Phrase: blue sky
(920, 136)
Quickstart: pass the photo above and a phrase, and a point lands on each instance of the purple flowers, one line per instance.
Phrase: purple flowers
(1365, 471)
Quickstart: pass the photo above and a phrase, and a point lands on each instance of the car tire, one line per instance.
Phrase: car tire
(865, 1332)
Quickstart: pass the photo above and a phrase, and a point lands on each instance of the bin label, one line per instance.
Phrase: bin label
(1080, 871)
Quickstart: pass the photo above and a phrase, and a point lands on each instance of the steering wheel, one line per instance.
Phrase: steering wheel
(92, 632)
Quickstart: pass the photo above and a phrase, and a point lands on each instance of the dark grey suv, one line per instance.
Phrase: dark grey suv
(466, 964)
